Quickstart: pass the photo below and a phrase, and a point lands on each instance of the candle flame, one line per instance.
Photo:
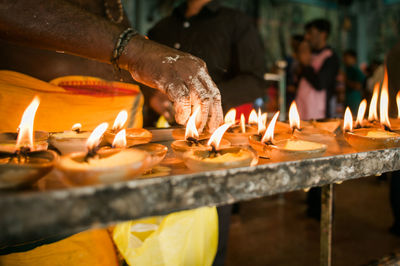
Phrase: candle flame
(230, 117)
(216, 137)
(76, 127)
(120, 139)
(25, 134)
(94, 139)
(361, 112)
(191, 130)
(373, 106)
(253, 118)
(398, 104)
(269, 134)
(294, 118)
(120, 120)
(348, 120)
(384, 103)
(243, 123)
(260, 123)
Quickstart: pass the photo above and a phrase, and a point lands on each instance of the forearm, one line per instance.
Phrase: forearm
(58, 26)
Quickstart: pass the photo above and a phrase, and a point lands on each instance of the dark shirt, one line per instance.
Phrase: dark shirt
(325, 78)
(227, 40)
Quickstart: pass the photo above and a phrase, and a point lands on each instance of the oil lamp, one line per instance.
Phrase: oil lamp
(181, 133)
(291, 148)
(214, 157)
(99, 166)
(24, 165)
(134, 136)
(70, 141)
(192, 140)
(375, 137)
(238, 134)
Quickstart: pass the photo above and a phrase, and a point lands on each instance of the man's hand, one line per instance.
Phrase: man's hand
(183, 77)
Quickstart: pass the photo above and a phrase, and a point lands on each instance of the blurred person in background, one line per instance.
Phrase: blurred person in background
(319, 66)
(354, 80)
(228, 41)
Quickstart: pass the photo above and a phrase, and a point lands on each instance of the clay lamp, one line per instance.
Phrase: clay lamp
(292, 148)
(238, 134)
(70, 141)
(102, 166)
(214, 157)
(192, 140)
(24, 165)
(182, 133)
(372, 138)
(8, 140)
(134, 136)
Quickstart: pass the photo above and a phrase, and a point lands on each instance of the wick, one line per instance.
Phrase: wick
(78, 130)
(294, 129)
(192, 141)
(385, 127)
(21, 155)
(92, 153)
(358, 125)
(213, 153)
(268, 142)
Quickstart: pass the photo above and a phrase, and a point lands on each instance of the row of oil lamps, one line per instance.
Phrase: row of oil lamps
(108, 155)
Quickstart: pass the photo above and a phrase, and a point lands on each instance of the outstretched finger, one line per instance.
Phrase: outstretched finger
(179, 94)
(215, 110)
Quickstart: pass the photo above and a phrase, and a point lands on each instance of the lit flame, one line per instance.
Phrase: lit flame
(384, 103)
(94, 139)
(348, 120)
(361, 112)
(269, 134)
(243, 123)
(260, 122)
(25, 134)
(120, 139)
(230, 116)
(216, 137)
(294, 118)
(373, 106)
(76, 127)
(120, 120)
(253, 118)
(398, 104)
(191, 130)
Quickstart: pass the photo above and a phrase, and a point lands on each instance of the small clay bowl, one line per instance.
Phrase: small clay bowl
(199, 160)
(179, 134)
(181, 146)
(16, 175)
(359, 140)
(8, 141)
(156, 151)
(278, 151)
(236, 137)
(69, 141)
(113, 165)
(134, 136)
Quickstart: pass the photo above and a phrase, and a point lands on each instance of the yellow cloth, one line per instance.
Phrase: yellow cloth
(60, 108)
(92, 247)
(186, 238)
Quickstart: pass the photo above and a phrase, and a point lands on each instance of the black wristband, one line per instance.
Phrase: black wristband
(120, 45)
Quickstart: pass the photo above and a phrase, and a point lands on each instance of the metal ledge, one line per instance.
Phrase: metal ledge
(30, 215)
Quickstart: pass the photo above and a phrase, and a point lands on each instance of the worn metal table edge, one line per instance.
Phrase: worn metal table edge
(38, 214)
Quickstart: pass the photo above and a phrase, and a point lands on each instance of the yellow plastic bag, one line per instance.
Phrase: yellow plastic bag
(183, 238)
(66, 101)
